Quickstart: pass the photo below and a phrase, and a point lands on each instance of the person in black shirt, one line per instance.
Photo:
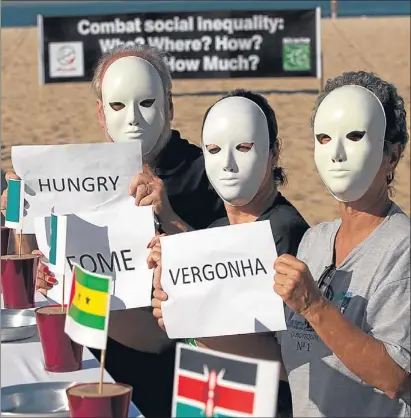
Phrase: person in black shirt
(134, 101)
(241, 146)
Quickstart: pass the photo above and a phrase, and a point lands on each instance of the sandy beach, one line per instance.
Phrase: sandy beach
(65, 113)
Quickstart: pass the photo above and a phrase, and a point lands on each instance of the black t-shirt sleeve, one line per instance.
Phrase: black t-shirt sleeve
(288, 243)
(288, 231)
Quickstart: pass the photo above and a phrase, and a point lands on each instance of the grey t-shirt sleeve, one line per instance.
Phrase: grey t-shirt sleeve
(388, 319)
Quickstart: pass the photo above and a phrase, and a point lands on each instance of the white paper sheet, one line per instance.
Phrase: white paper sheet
(219, 281)
(108, 242)
(255, 380)
(100, 175)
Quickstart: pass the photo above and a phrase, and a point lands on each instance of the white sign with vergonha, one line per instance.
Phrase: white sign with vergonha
(220, 281)
(75, 178)
(111, 242)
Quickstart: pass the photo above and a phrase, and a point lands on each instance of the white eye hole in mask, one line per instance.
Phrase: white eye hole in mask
(349, 131)
(133, 102)
(236, 149)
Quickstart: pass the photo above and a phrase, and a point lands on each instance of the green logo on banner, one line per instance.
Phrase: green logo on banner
(296, 55)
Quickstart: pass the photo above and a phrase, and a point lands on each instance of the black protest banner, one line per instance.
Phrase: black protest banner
(224, 44)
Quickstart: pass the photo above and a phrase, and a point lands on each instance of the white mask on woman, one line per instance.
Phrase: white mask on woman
(349, 131)
(236, 149)
(133, 102)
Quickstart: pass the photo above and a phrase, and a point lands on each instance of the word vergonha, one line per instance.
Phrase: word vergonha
(209, 272)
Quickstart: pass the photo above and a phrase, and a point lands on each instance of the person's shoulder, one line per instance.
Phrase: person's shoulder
(284, 217)
(319, 232)
(190, 151)
(219, 222)
(399, 223)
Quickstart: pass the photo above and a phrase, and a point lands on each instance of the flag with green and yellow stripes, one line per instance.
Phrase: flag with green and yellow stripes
(88, 309)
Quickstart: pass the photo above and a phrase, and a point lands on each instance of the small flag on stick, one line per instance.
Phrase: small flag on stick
(58, 243)
(57, 253)
(15, 205)
(212, 384)
(88, 309)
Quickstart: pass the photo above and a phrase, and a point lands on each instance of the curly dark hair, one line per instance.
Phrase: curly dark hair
(280, 177)
(393, 104)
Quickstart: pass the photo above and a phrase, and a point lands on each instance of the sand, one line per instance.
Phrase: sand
(65, 113)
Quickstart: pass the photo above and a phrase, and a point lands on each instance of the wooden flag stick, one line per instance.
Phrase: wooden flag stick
(20, 243)
(102, 361)
(63, 293)
(21, 237)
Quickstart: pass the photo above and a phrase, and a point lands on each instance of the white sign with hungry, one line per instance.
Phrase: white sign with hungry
(219, 281)
(75, 178)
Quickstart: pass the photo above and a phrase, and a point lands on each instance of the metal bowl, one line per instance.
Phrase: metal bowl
(44, 399)
(17, 324)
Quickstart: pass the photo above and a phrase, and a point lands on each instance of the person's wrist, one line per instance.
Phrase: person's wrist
(315, 309)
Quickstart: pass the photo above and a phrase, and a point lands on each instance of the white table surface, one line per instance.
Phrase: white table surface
(22, 362)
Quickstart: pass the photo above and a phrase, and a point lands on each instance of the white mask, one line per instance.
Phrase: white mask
(136, 84)
(236, 175)
(347, 166)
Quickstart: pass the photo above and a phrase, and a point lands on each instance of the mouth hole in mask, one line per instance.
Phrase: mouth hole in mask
(245, 146)
(323, 138)
(147, 102)
(355, 135)
(116, 106)
(213, 149)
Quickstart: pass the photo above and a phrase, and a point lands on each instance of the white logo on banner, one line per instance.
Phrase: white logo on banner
(66, 59)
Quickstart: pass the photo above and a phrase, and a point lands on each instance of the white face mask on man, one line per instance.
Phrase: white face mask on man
(133, 102)
(236, 149)
(349, 131)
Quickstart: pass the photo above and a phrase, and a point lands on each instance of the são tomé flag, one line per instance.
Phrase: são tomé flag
(210, 385)
(88, 309)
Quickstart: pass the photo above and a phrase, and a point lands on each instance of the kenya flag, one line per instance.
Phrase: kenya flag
(89, 307)
(207, 385)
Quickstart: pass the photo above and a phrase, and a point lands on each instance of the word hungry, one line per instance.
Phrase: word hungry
(87, 184)
(208, 272)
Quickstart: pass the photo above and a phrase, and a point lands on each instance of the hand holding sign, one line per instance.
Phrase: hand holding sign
(148, 189)
(294, 283)
(45, 279)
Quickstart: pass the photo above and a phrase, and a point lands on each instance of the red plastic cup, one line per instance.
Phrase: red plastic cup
(5, 236)
(86, 402)
(18, 280)
(61, 354)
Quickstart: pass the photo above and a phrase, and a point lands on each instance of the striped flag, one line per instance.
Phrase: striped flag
(209, 385)
(15, 204)
(89, 307)
(58, 243)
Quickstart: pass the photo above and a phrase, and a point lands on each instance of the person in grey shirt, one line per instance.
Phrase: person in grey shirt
(346, 349)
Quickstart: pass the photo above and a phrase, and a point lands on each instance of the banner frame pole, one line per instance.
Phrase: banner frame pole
(40, 40)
